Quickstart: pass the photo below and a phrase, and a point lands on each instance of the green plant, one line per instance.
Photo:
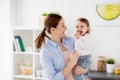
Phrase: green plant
(54, 12)
(45, 13)
(110, 61)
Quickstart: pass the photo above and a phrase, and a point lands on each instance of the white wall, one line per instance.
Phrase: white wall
(5, 41)
(105, 34)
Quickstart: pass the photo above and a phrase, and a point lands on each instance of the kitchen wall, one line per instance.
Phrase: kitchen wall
(5, 41)
(105, 34)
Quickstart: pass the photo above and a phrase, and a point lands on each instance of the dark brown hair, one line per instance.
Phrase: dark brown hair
(50, 21)
(86, 22)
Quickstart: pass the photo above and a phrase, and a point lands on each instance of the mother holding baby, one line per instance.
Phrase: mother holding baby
(57, 56)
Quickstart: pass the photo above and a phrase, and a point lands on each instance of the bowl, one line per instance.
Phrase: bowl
(26, 69)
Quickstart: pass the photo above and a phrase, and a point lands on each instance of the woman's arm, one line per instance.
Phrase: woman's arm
(48, 66)
(77, 70)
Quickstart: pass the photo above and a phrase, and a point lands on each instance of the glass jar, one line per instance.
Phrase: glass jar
(101, 63)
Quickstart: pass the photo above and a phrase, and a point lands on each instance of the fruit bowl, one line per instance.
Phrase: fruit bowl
(26, 69)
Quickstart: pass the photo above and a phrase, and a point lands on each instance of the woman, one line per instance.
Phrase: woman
(57, 56)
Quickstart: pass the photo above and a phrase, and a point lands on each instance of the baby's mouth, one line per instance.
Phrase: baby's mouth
(81, 32)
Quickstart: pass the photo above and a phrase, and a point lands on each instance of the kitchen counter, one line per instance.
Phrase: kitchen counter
(95, 75)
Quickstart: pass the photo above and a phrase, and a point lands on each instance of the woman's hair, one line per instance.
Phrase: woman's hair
(51, 21)
(86, 22)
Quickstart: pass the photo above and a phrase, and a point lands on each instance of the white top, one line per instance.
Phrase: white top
(83, 45)
(67, 59)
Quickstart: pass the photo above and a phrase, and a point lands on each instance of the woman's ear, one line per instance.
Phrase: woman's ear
(52, 29)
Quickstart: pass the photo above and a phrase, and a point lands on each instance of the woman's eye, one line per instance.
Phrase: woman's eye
(63, 26)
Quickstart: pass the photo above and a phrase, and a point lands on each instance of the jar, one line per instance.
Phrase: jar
(101, 63)
(117, 70)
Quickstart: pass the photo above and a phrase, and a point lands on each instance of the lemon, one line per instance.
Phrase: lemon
(108, 11)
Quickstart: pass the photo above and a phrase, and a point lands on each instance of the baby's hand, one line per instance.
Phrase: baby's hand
(76, 36)
(65, 36)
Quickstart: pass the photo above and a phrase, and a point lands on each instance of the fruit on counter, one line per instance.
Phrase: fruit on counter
(108, 11)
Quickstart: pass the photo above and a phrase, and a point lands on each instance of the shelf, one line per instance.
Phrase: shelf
(27, 76)
(27, 28)
(40, 78)
(24, 27)
(27, 53)
(37, 54)
(30, 53)
(23, 76)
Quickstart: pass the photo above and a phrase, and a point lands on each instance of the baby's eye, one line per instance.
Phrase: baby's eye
(82, 26)
(76, 26)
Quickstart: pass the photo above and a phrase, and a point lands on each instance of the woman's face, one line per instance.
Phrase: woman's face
(81, 28)
(60, 29)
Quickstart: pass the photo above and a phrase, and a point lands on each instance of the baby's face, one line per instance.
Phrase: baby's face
(81, 28)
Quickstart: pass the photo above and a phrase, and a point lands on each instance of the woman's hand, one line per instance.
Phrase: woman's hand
(74, 58)
(79, 70)
(73, 61)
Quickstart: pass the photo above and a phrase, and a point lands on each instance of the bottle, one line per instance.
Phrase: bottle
(101, 63)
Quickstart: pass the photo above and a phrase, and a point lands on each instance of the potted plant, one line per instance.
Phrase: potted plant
(110, 65)
(44, 14)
